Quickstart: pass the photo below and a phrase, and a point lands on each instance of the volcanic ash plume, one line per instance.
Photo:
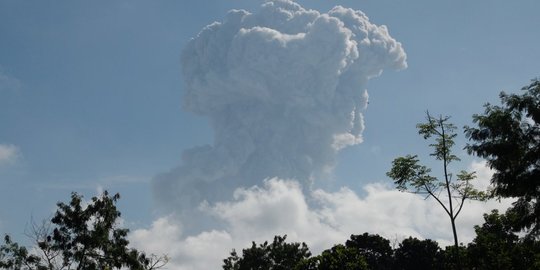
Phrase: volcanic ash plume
(283, 89)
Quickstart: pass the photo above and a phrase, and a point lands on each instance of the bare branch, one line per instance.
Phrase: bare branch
(460, 206)
(439, 201)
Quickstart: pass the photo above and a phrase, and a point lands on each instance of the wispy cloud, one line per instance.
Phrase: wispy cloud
(8, 154)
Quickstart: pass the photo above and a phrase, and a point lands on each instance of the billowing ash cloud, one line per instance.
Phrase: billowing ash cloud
(283, 89)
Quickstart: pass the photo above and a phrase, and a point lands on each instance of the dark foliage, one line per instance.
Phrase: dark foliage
(508, 137)
(338, 257)
(415, 254)
(375, 249)
(276, 255)
(496, 246)
(13, 256)
(83, 236)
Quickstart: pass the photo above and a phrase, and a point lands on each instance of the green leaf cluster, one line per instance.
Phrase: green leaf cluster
(82, 236)
(508, 137)
(276, 255)
(496, 246)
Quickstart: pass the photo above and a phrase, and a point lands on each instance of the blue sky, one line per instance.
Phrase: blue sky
(90, 93)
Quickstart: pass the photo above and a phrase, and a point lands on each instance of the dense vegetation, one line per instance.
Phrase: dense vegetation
(508, 137)
(81, 235)
(495, 246)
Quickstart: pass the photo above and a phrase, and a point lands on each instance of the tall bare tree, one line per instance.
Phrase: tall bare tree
(449, 192)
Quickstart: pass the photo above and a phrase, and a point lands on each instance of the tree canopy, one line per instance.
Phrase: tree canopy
(374, 248)
(508, 137)
(81, 235)
(339, 257)
(276, 255)
(494, 247)
(416, 254)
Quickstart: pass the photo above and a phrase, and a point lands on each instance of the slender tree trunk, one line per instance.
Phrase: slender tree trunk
(451, 214)
(456, 244)
(447, 182)
(451, 210)
(452, 218)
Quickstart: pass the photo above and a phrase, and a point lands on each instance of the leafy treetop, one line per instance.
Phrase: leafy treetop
(508, 137)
